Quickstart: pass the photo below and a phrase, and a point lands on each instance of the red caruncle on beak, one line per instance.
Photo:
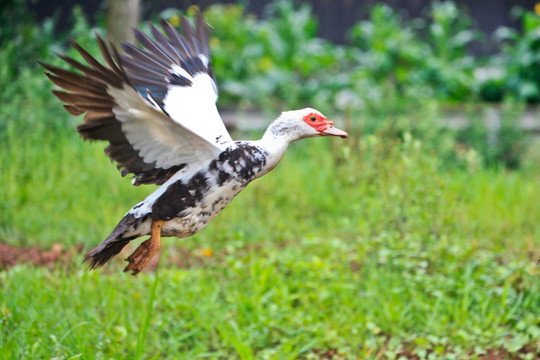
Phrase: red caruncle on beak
(323, 126)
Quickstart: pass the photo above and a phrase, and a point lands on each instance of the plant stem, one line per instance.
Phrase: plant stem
(145, 321)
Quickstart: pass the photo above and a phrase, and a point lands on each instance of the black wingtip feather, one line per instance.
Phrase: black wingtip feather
(100, 256)
(152, 46)
(112, 245)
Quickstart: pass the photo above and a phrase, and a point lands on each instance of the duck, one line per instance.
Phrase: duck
(156, 106)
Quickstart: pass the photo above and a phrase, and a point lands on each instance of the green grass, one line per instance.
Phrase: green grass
(363, 246)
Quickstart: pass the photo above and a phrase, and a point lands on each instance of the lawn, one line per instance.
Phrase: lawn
(363, 248)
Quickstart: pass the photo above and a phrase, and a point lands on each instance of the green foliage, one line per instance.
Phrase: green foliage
(499, 143)
(397, 241)
(448, 67)
(276, 59)
(521, 57)
(416, 56)
(491, 80)
(22, 42)
(274, 62)
(389, 48)
(368, 248)
(393, 70)
(38, 144)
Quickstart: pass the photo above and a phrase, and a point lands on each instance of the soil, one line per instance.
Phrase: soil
(58, 256)
(12, 255)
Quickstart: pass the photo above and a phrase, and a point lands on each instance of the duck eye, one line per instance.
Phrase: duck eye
(313, 118)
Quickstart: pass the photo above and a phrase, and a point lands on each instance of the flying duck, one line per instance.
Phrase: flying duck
(156, 107)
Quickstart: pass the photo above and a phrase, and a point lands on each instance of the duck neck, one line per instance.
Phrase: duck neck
(279, 135)
(274, 143)
(282, 131)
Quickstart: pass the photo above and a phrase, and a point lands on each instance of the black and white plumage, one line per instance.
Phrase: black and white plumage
(156, 107)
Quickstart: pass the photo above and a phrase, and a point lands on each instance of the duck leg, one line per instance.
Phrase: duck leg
(145, 251)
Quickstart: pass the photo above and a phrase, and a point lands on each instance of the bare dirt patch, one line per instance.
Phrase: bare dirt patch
(180, 257)
(12, 255)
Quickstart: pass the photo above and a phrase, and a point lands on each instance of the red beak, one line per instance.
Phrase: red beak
(332, 131)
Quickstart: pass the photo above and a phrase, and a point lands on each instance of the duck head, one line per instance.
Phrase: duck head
(299, 124)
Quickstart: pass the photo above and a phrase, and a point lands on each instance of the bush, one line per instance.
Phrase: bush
(418, 56)
(273, 62)
(520, 57)
(21, 40)
(389, 48)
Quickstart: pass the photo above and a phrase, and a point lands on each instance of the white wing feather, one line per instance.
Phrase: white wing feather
(194, 107)
(158, 138)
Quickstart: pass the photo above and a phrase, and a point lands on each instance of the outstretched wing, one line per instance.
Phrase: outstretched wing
(154, 105)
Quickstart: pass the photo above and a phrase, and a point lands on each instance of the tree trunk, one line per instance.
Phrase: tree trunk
(122, 15)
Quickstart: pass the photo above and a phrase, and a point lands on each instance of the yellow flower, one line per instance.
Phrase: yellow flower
(537, 9)
(175, 20)
(206, 252)
(192, 10)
